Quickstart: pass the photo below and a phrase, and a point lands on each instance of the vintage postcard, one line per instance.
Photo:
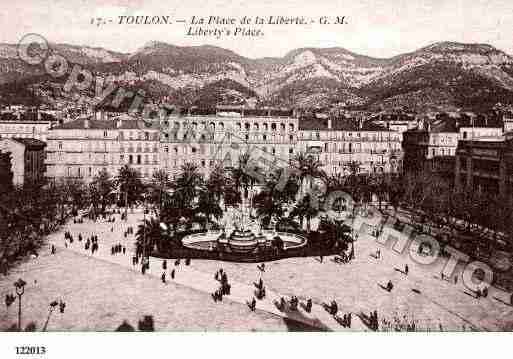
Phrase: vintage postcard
(219, 166)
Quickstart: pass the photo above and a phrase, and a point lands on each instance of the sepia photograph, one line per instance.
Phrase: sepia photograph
(292, 166)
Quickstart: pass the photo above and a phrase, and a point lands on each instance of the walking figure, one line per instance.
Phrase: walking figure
(308, 307)
(252, 304)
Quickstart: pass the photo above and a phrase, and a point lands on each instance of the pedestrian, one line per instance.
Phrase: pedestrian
(124, 249)
(308, 305)
(173, 274)
(406, 269)
(163, 277)
(164, 264)
(53, 249)
(62, 305)
(485, 292)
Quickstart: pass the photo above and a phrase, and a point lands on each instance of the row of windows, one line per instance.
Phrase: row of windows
(202, 150)
(357, 148)
(343, 135)
(247, 126)
(16, 128)
(443, 151)
(90, 172)
(209, 137)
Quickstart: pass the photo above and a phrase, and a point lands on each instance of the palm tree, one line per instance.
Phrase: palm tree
(148, 235)
(158, 188)
(188, 184)
(186, 189)
(335, 182)
(309, 167)
(218, 182)
(305, 209)
(101, 188)
(209, 206)
(130, 184)
(354, 167)
(271, 200)
(242, 173)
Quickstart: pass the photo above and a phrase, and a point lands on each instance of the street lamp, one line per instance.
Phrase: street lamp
(20, 290)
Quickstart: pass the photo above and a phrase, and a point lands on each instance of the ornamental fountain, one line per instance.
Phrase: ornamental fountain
(241, 234)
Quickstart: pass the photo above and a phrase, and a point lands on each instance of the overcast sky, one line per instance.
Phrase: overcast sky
(379, 28)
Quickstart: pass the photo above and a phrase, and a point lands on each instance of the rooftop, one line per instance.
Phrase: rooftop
(338, 124)
(30, 142)
(127, 123)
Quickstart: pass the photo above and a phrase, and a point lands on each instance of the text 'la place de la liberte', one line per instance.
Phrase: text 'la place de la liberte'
(267, 20)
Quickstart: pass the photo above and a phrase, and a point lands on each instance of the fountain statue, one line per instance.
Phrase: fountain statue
(240, 234)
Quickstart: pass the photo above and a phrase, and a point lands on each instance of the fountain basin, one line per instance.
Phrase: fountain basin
(241, 241)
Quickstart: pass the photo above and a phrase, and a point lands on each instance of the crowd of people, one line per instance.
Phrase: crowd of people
(117, 249)
(373, 320)
(331, 308)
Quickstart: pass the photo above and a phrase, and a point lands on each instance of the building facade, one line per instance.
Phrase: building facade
(26, 125)
(207, 140)
(432, 146)
(5, 172)
(485, 165)
(83, 147)
(27, 157)
(336, 143)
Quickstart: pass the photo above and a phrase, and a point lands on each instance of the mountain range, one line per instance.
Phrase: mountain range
(445, 75)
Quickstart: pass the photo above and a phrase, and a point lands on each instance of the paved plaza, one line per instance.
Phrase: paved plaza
(102, 290)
